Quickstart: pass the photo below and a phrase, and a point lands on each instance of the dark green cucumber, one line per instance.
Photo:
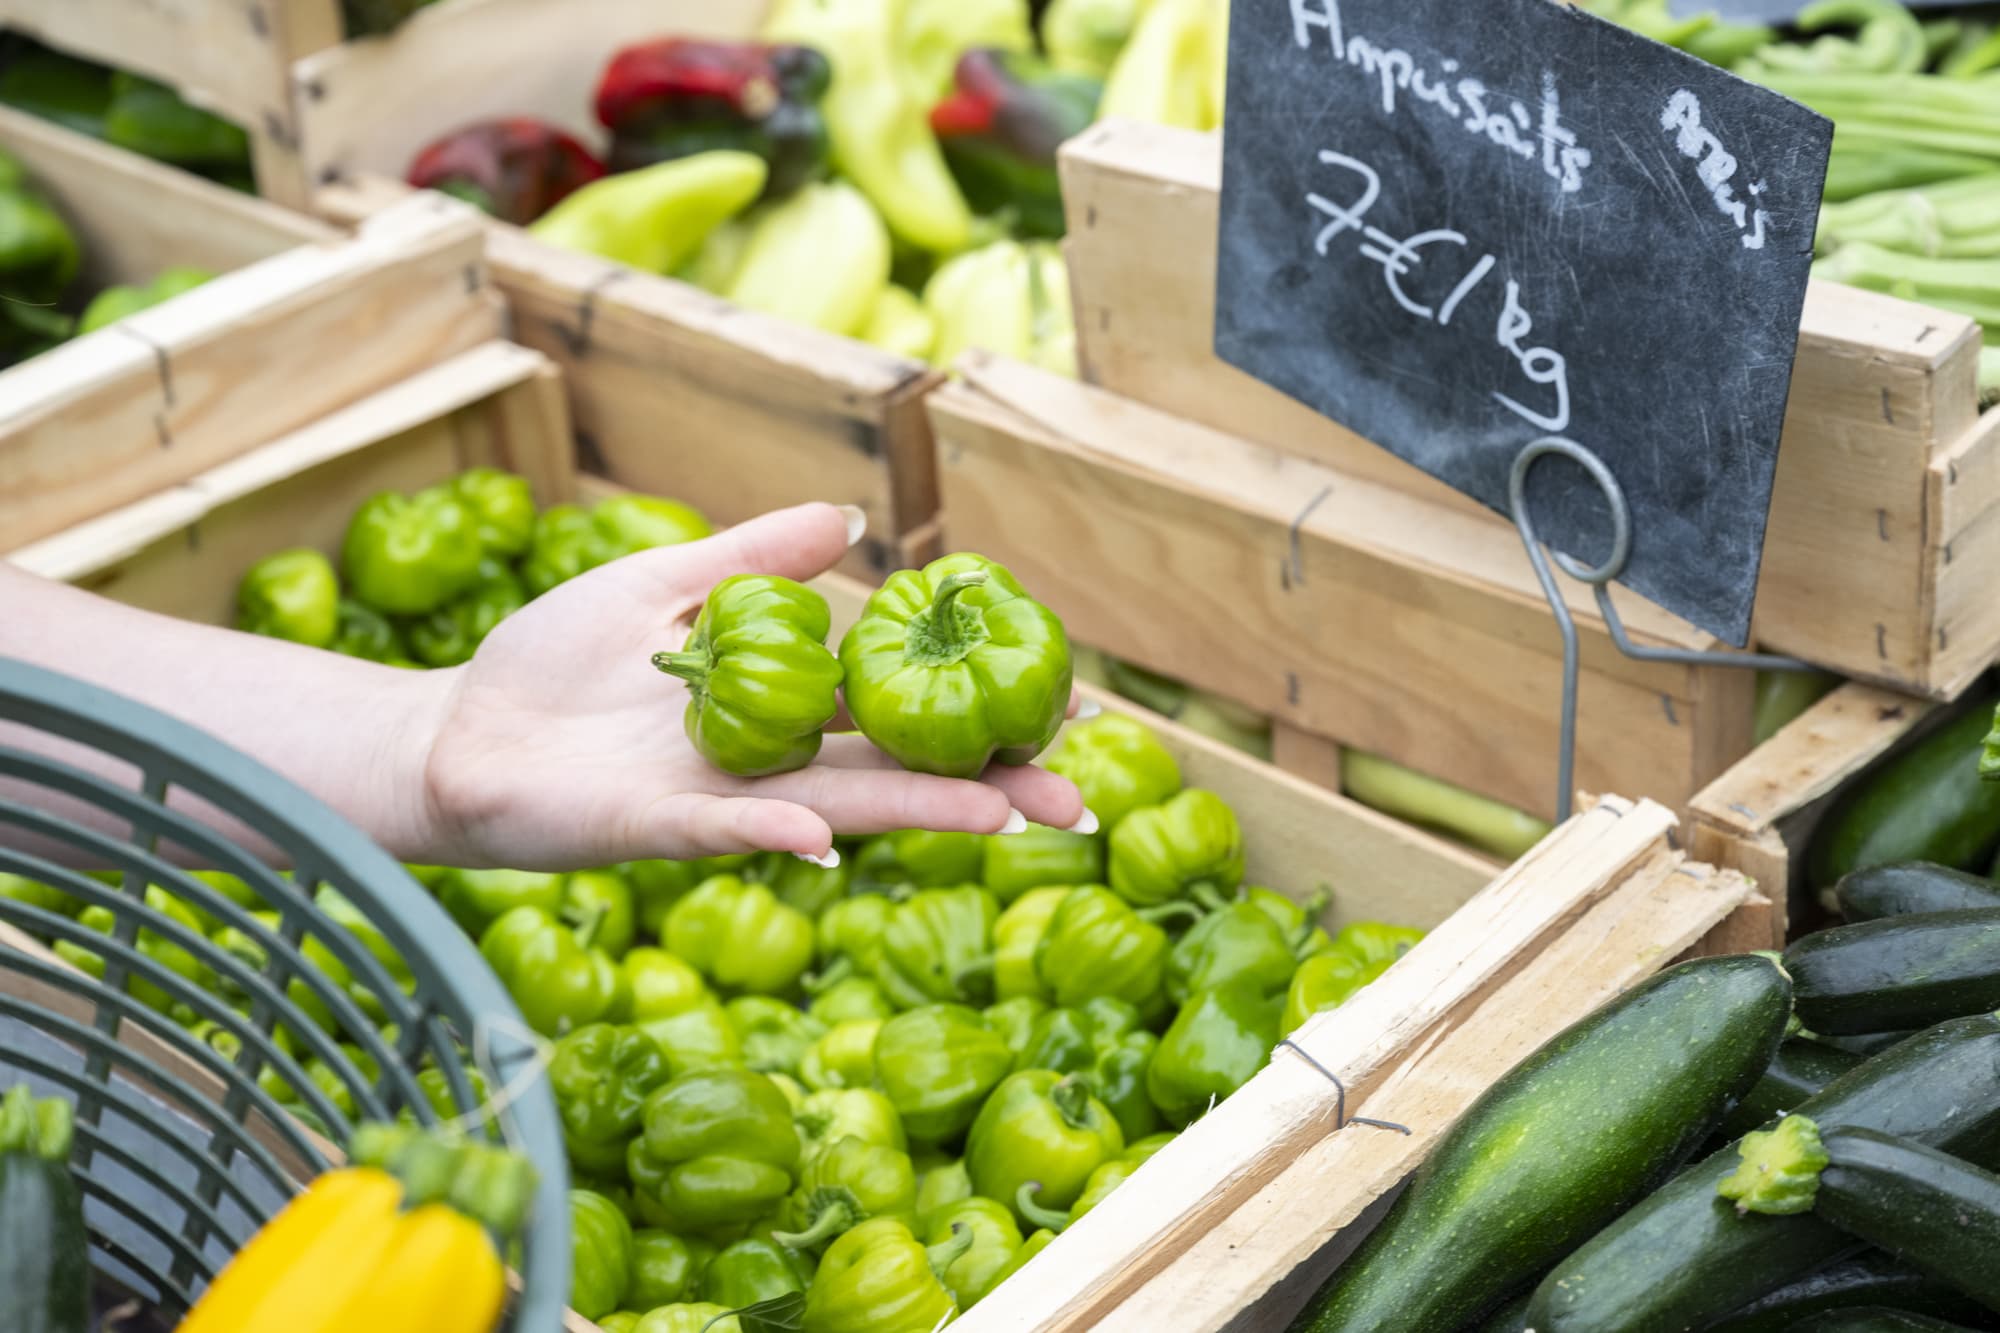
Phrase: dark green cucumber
(1868, 1279)
(1910, 887)
(1783, 696)
(1685, 1257)
(1926, 804)
(44, 1251)
(1567, 1140)
(1928, 1208)
(1899, 972)
(1876, 1320)
(1797, 1071)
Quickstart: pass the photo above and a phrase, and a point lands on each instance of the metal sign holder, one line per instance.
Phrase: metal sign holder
(1599, 578)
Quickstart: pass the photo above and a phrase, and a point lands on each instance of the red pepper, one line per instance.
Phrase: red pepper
(676, 96)
(515, 169)
(1000, 127)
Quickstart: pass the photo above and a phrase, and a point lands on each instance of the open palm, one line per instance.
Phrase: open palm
(560, 745)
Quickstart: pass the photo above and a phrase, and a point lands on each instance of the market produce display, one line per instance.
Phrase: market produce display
(881, 169)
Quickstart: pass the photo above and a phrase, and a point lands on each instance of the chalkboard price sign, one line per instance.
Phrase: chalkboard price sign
(1458, 226)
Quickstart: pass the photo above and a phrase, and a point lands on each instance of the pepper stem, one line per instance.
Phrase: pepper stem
(1053, 1219)
(839, 970)
(690, 667)
(828, 1222)
(1071, 1096)
(1169, 911)
(944, 632)
(948, 1252)
(585, 925)
(1208, 896)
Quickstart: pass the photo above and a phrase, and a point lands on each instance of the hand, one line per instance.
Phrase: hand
(559, 745)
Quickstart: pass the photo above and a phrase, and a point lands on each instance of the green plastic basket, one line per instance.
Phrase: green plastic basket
(182, 1151)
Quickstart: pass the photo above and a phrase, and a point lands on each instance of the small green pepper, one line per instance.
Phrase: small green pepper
(600, 1254)
(1097, 944)
(835, 1113)
(774, 1035)
(661, 984)
(1161, 852)
(408, 554)
(478, 898)
(36, 894)
(761, 684)
(657, 886)
(879, 1278)
(559, 981)
(1038, 857)
(844, 1057)
(565, 543)
(1374, 943)
(502, 506)
(247, 948)
(919, 859)
(953, 667)
(1299, 920)
(291, 595)
(451, 634)
(673, 1006)
(937, 1064)
(163, 951)
(843, 1185)
(848, 937)
(942, 1182)
(665, 1268)
(1104, 1041)
(601, 901)
(718, 1149)
(1030, 1247)
(689, 1317)
(937, 948)
(1117, 764)
(850, 997)
(1241, 942)
(362, 631)
(754, 1270)
(634, 522)
(357, 923)
(1218, 1040)
(802, 884)
(995, 1237)
(1016, 936)
(740, 936)
(601, 1076)
(116, 303)
(1037, 1140)
(1323, 981)
(154, 121)
(1015, 1021)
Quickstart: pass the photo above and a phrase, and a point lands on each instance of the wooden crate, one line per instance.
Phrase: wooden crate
(1885, 517)
(302, 322)
(1334, 602)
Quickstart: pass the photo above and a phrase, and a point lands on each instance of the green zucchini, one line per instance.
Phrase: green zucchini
(1797, 1071)
(1684, 1256)
(1909, 887)
(1875, 1319)
(1898, 972)
(1783, 696)
(1562, 1144)
(1928, 1208)
(1509, 1318)
(1863, 1044)
(1926, 804)
(44, 1250)
(1869, 1279)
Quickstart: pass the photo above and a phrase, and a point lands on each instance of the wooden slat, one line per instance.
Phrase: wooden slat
(1251, 573)
(1880, 389)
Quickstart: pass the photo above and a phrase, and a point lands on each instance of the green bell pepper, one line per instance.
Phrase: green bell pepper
(718, 1149)
(1112, 1174)
(619, 1321)
(600, 1254)
(850, 997)
(1241, 942)
(408, 554)
(941, 1182)
(291, 595)
(672, 1005)
(761, 684)
(919, 859)
(154, 121)
(451, 634)
(1372, 942)
(1038, 857)
(657, 886)
(601, 1076)
(654, 218)
(1030, 1247)
(879, 1278)
(937, 1064)
(754, 1270)
(1299, 920)
(152, 945)
(843, 1185)
(810, 888)
(1218, 1040)
(937, 948)
(502, 506)
(665, 1268)
(740, 936)
(1098, 944)
(995, 1237)
(953, 667)
(559, 981)
(1104, 1041)
(661, 984)
(478, 898)
(1015, 1021)
(1037, 1140)
(689, 1317)
(362, 631)
(1118, 765)
(116, 303)
(565, 543)
(774, 1034)
(1016, 936)
(1161, 852)
(601, 901)
(844, 1057)
(837, 1113)
(641, 522)
(1323, 981)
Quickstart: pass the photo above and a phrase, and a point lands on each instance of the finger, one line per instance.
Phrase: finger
(861, 800)
(1080, 708)
(1043, 797)
(725, 825)
(800, 543)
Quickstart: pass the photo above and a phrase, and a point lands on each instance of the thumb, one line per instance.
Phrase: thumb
(799, 543)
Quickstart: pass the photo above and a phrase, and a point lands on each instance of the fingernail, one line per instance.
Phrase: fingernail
(1016, 822)
(857, 522)
(1087, 824)
(827, 862)
(1088, 709)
